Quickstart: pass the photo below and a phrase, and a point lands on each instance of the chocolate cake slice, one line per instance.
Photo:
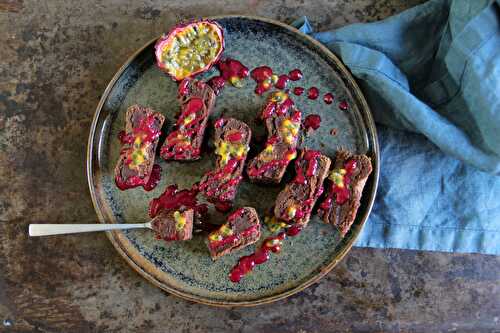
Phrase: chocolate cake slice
(197, 101)
(241, 229)
(282, 121)
(174, 225)
(139, 141)
(295, 202)
(232, 139)
(346, 182)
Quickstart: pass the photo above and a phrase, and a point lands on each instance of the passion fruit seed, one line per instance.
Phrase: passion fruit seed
(215, 236)
(180, 220)
(337, 177)
(226, 230)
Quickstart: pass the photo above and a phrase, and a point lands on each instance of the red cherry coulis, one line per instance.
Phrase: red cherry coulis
(282, 82)
(328, 98)
(298, 91)
(272, 244)
(154, 179)
(312, 121)
(343, 105)
(295, 75)
(313, 93)
(262, 76)
(173, 198)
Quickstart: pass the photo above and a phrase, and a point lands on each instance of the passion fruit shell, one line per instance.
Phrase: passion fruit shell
(190, 49)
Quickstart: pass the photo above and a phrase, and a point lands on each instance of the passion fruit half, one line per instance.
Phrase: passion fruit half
(190, 49)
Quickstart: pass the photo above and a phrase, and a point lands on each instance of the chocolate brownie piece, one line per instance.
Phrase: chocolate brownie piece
(197, 101)
(346, 182)
(173, 225)
(295, 202)
(282, 121)
(241, 229)
(232, 139)
(139, 141)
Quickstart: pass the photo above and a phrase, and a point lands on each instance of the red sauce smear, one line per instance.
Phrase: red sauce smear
(271, 244)
(343, 105)
(231, 71)
(173, 198)
(342, 194)
(223, 206)
(178, 142)
(280, 109)
(234, 238)
(215, 177)
(282, 82)
(298, 91)
(310, 157)
(253, 172)
(313, 93)
(312, 121)
(328, 98)
(295, 75)
(154, 178)
(217, 84)
(262, 76)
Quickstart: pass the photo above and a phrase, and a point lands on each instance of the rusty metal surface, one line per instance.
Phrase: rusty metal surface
(56, 57)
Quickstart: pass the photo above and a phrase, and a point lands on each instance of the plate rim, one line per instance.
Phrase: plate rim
(114, 236)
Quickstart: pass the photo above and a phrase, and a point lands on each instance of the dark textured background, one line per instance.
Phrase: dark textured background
(56, 58)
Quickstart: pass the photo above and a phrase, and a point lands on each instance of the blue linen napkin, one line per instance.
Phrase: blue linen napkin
(432, 79)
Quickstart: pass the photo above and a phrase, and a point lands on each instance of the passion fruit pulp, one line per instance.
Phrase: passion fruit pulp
(190, 49)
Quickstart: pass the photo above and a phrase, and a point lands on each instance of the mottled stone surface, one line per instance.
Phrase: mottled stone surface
(56, 58)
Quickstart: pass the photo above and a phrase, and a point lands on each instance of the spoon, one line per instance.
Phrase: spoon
(61, 229)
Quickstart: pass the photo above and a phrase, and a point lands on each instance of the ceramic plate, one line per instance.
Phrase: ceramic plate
(185, 268)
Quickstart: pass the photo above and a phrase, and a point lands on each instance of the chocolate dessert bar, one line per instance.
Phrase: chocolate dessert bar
(197, 101)
(232, 139)
(346, 182)
(282, 121)
(295, 202)
(174, 225)
(241, 229)
(139, 141)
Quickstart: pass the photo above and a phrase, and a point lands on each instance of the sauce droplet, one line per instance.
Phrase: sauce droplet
(312, 121)
(263, 77)
(313, 93)
(343, 105)
(295, 75)
(233, 71)
(298, 91)
(282, 82)
(328, 98)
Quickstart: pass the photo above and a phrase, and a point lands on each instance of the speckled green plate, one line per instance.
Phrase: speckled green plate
(185, 268)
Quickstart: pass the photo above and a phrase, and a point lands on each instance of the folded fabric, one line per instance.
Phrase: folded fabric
(431, 76)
